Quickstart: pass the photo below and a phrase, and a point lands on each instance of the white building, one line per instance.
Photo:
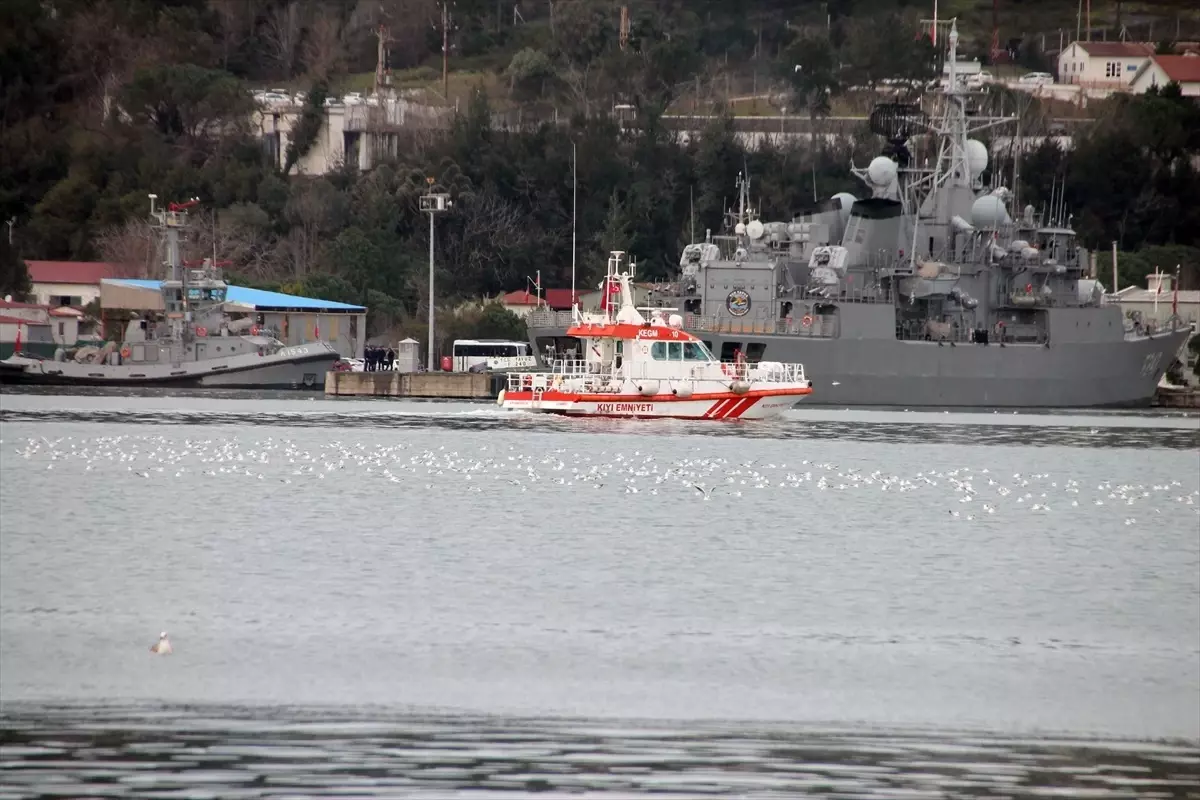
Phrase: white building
(1161, 70)
(68, 283)
(360, 133)
(1102, 64)
(1153, 305)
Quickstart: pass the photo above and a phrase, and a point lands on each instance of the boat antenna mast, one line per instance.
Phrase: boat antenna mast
(169, 222)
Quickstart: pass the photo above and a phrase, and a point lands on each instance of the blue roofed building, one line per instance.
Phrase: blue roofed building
(290, 318)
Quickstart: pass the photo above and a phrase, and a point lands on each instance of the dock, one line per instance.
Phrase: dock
(427, 385)
(1177, 398)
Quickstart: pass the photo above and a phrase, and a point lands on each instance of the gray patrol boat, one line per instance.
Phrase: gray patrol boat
(927, 293)
(197, 345)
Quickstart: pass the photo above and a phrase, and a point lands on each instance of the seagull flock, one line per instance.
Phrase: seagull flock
(967, 494)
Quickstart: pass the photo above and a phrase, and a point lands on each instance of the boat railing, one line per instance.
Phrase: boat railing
(764, 371)
(548, 318)
(577, 376)
(840, 294)
(818, 327)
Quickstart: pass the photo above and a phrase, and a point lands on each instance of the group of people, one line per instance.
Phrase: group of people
(379, 359)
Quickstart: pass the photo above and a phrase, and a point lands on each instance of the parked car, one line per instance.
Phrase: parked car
(1036, 79)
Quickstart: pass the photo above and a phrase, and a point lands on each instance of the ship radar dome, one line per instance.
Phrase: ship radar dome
(977, 157)
(844, 202)
(881, 172)
(989, 212)
(740, 228)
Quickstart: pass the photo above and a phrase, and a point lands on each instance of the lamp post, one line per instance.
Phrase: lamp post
(431, 204)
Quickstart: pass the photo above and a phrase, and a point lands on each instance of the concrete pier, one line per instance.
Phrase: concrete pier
(445, 385)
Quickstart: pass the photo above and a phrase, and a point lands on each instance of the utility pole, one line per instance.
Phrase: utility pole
(445, 51)
(432, 204)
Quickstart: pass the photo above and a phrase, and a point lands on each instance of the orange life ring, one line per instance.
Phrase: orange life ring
(202, 331)
(254, 330)
(125, 351)
(806, 321)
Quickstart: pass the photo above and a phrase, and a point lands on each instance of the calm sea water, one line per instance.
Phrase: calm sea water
(416, 599)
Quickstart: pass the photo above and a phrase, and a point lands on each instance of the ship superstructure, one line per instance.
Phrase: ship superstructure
(927, 291)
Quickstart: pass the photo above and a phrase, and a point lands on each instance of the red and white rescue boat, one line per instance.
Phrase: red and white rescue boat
(651, 369)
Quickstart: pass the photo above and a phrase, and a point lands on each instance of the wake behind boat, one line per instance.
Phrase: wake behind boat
(651, 369)
(198, 345)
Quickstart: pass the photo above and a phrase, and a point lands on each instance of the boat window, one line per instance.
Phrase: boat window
(729, 350)
(754, 352)
(659, 351)
(676, 350)
(692, 351)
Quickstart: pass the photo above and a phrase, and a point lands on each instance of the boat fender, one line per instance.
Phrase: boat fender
(739, 386)
(125, 351)
(648, 388)
(500, 398)
(682, 391)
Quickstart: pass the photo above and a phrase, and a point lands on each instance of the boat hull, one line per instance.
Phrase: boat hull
(299, 367)
(914, 374)
(752, 405)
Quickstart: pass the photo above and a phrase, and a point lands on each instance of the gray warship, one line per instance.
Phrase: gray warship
(927, 293)
(197, 344)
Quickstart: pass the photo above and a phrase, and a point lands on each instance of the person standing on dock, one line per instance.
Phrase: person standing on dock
(390, 361)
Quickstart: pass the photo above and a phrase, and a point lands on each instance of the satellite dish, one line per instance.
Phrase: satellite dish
(755, 229)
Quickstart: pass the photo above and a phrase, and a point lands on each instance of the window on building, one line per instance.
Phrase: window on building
(1112, 69)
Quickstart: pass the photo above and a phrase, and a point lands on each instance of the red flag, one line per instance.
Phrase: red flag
(612, 288)
(317, 331)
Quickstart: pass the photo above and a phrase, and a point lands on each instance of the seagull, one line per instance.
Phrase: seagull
(706, 492)
(163, 646)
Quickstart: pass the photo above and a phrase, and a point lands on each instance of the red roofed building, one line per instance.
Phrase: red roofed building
(1102, 64)
(62, 323)
(70, 283)
(1161, 70)
(522, 302)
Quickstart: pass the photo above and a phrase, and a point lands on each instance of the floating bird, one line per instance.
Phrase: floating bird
(163, 646)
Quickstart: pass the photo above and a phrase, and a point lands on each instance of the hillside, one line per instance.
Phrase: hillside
(102, 102)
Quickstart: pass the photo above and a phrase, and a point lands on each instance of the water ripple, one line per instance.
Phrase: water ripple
(50, 751)
(924, 428)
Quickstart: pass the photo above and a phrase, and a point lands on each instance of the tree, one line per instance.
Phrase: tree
(184, 102)
(308, 127)
(809, 67)
(530, 74)
(497, 322)
(14, 275)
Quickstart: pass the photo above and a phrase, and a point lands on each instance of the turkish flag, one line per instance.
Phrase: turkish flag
(613, 289)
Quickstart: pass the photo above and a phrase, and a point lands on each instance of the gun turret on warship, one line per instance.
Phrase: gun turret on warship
(196, 345)
(928, 292)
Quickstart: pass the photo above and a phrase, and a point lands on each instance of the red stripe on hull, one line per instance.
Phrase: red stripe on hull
(740, 407)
